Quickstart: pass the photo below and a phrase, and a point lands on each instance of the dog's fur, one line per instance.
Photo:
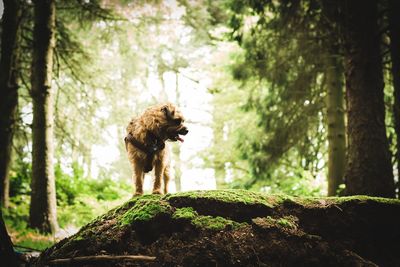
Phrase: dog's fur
(155, 126)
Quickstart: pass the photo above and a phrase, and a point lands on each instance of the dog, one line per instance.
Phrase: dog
(145, 144)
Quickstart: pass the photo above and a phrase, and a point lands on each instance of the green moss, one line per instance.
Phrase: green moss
(233, 196)
(204, 222)
(287, 222)
(145, 208)
(184, 213)
(251, 197)
(284, 222)
(214, 223)
(328, 201)
(361, 198)
(77, 238)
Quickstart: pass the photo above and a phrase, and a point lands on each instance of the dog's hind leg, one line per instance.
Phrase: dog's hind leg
(166, 179)
(138, 176)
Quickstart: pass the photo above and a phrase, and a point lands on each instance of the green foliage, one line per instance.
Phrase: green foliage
(16, 218)
(67, 187)
(79, 198)
(275, 127)
(292, 181)
(17, 215)
(83, 198)
(34, 241)
(70, 187)
(20, 176)
(85, 208)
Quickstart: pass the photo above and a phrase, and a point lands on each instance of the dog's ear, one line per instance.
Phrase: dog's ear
(167, 113)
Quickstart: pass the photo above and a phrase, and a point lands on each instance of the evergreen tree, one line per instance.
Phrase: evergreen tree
(281, 44)
(335, 110)
(394, 34)
(369, 169)
(9, 73)
(43, 212)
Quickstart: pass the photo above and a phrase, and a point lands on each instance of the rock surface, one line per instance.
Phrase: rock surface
(239, 228)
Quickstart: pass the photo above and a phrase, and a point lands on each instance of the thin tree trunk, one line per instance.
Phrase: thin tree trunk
(163, 97)
(394, 33)
(177, 148)
(9, 90)
(336, 127)
(369, 169)
(88, 161)
(219, 165)
(43, 198)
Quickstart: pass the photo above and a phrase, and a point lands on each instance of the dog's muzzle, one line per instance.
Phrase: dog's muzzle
(175, 136)
(183, 131)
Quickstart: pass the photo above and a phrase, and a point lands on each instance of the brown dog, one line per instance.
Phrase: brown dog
(145, 143)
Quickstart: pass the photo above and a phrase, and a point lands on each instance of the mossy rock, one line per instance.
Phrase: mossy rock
(241, 228)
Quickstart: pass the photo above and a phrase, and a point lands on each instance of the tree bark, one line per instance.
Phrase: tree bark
(43, 197)
(101, 258)
(336, 124)
(7, 255)
(394, 34)
(369, 169)
(9, 90)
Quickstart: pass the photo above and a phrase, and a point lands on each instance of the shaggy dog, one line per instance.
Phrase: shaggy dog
(145, 144)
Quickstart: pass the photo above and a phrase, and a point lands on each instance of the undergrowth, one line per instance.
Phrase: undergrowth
(79, 200)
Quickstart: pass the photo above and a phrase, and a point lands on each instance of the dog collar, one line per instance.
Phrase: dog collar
(155, 145)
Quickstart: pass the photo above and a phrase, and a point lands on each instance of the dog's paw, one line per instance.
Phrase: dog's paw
(157, 192)
(137, 193)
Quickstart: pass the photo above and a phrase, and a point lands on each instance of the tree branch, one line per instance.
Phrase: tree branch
(101, 258)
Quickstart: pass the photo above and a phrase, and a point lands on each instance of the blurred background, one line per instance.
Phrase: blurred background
(251, 78)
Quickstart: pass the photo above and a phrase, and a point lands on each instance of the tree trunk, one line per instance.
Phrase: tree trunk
(219, 165)
(7, 255)
(9, 90)
(43, 198)
(177, 148)
(335, 120)
(394, 33)
(369, 169)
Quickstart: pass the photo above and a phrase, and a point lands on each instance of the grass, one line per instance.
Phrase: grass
(31, 240)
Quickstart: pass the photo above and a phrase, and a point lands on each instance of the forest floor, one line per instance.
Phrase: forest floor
(238, 228)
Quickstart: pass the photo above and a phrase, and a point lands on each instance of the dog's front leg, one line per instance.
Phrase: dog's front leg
(138, 177)
(166, 179)
(158, 171)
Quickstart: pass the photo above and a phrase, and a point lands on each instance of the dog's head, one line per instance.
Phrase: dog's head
(171, 124)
